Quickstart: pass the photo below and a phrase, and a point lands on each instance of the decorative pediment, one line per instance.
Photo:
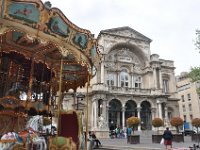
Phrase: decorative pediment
(126, 32)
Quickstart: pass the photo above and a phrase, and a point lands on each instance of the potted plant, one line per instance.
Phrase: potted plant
(196, 123)
(157, 122)
(133, 122)
(177, 122)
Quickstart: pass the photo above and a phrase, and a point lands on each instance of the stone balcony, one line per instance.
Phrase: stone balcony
(100, 87)
(126, 90)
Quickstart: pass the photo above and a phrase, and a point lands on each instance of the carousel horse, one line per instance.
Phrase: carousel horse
(10, 136)
(30, 135)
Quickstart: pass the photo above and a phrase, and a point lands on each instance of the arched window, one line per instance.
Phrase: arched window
(165, 85)
(124, 78)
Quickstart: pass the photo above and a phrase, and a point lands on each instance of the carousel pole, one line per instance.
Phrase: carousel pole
(50, 90)
(87, 113)
(29, 95)
(1, 53)
(59, 99)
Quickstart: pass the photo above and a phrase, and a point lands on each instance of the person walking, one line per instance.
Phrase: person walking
(167, 135)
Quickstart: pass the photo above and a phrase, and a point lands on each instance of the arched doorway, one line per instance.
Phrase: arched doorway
(131, 109)
(145, 115)
(115, 114)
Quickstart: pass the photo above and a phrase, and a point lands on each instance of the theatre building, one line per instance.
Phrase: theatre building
(131, 82)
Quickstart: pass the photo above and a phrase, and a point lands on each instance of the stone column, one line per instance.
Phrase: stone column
(159, 109)
(153, 114)
(118, 79)
(107, 113)
(132, 81)
(123, 116)
(95, 114)
(166, 116)
(102, 72)
(161, 84)
(104, 108)
(138, 115)
(154, 78)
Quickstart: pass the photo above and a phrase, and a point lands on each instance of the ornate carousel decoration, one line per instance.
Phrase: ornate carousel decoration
(42, 56)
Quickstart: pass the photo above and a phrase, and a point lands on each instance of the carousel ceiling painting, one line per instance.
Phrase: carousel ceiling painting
(38, 46)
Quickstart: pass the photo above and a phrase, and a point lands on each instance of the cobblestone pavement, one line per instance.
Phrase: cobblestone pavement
(145, 144)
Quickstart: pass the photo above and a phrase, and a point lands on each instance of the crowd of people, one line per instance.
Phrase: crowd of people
(120, 133)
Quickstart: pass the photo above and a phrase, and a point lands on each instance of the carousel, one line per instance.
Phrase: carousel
(42, 56)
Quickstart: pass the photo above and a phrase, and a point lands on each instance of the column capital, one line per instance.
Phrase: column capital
(123, 108)
(139, 108)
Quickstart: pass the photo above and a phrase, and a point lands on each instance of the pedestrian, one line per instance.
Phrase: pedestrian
(117, 132)
(96, 140)
(128, 131)
(167, 135)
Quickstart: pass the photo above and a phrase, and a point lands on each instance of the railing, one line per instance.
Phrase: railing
(99, 87)
(125, 90)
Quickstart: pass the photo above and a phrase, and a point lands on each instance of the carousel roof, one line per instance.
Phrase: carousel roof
(33, 31)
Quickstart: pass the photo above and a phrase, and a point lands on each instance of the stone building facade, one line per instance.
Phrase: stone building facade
(131, 82)
(189, 104)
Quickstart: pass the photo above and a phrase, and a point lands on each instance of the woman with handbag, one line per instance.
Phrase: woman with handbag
(167, 135)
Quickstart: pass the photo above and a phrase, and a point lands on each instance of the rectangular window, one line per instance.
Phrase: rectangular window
(191, 117)
(189, 97)
(184, 108)
(110, 80)
(122, 84)
(182, 98)
(138, 82)
(165, 86)
(190, 107)
(124, 78)
(184, 117)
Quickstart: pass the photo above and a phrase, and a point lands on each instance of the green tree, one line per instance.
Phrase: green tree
(197, 42)
(194, 75)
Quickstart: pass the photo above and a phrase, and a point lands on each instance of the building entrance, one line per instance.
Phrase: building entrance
(115, 114)
(145, 115)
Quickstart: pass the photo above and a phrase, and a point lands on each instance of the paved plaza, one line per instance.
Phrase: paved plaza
(145, 144)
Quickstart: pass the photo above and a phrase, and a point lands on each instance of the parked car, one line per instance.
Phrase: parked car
(188, 132)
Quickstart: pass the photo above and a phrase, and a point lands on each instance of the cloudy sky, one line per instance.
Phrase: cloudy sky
(171, 24)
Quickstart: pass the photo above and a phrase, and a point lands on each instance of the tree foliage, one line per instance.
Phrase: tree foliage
(176, 122)
(194, 75)
(196, 122)
(197, 42)
(157, 122)
(133, 121)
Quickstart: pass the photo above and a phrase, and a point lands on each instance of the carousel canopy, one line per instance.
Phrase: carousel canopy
(37, 37)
